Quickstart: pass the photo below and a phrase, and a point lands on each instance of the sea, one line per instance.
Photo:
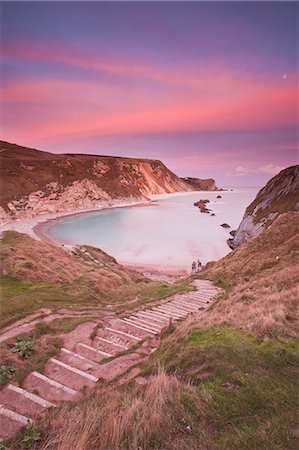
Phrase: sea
(169, 232)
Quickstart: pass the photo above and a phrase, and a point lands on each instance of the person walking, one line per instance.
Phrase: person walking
(199, 265)
(193, 267)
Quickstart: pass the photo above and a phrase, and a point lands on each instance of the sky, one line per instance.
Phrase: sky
(210, 88)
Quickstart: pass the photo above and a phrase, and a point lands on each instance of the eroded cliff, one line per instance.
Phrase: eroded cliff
(280, 195)
(36, 182)
(198, 184)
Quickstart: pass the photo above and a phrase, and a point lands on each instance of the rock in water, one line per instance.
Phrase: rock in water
(202, 205)
(225, 225)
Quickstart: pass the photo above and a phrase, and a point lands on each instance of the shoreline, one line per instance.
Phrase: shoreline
(38, 228)
(33, 225)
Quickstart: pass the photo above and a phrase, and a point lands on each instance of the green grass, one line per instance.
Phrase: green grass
(19, 297)
(147, 293)
(247, 389)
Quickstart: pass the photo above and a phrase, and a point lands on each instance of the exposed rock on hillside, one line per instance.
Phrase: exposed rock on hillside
(280, 195)
(201, 185)
(36, 182)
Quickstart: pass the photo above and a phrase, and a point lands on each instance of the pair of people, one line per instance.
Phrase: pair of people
(196, 267)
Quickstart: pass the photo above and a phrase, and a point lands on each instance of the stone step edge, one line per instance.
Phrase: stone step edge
(33, 397)
(76, 355)
(23, 420)
(111, 343)
(190, 306)
(54, 383)
(142, 323)
(168, 314)
(100, 352)
(74, 370)
(151, 316)
(113, 330)
(170, 311)
(180, 308)
(150, 321)
(128, 321)
(157, 314)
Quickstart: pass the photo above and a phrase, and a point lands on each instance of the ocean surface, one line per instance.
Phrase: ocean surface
(171, 232)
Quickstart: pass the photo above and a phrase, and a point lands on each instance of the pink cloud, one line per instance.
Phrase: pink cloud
(215, 100)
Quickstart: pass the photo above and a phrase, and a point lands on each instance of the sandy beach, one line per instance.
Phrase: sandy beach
(37, 226)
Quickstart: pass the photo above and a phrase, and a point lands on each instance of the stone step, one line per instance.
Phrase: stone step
(149, 315)
(11, 422)
(76, 360)
(68, 375)
(23, 402)
(166, 313)
(49, 389)
(199, 296)
(91, 352)
(117, 338)
(112, 369)
(195, 301)
(178, 308)
(186, 305)
(147, 321)
(112, 343)
(158, 315)
(120, 325)
(171, 311)
(135, 324)
(107, 346)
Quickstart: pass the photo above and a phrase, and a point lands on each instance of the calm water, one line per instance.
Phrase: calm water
(171, 232)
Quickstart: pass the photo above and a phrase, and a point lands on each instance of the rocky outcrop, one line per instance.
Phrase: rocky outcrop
(36, 182)
(201, 204)
(201, 185)
(280, 195)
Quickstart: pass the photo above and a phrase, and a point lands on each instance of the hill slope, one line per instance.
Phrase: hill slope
(36, 182)
(280, 195)
(222, 385)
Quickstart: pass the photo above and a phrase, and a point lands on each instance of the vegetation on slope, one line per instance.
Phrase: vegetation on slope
(262, 282)
(36, 274)
(225, 379)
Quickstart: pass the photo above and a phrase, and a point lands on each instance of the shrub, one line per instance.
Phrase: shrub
(24, 347)
(30, 436)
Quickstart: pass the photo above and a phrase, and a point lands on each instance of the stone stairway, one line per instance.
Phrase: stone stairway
(65, 376)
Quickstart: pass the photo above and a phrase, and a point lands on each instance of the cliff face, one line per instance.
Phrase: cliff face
(280, 195)
(197, 184)
(36, 182)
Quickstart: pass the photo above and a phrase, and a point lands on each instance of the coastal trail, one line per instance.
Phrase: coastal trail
(90, 355)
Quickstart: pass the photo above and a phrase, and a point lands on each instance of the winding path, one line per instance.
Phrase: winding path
(77, 364)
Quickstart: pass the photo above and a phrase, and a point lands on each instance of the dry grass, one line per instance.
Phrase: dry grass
(36, 274)
(25, 258)
(119, 420)
(262, 281)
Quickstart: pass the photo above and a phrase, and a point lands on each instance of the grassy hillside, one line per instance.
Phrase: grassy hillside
(261, 279)
(222, 380)
(36, 274)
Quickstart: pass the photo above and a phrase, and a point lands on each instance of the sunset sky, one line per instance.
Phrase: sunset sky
(210, 88)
